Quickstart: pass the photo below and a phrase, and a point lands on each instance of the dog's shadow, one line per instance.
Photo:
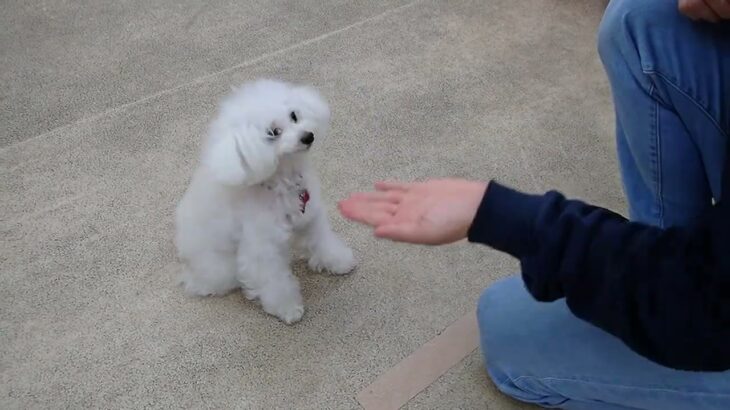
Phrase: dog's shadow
(234, 309)
(315, 288)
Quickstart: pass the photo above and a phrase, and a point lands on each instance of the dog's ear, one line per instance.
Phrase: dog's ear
(239, 155)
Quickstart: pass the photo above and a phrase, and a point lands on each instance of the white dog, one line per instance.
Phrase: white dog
(255, 195)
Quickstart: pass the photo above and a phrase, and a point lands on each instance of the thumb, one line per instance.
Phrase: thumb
(402, 232)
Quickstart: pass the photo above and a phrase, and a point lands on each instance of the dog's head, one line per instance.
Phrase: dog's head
(260, 124)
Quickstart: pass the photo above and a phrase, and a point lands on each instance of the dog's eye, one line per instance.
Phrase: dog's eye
(273, 132)
(293, 117)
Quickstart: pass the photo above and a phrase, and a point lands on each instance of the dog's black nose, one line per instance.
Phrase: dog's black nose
(307, 138)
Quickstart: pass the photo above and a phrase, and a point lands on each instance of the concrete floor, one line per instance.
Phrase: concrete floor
(103, 105)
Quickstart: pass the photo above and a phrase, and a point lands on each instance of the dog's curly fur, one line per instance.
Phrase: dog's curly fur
(254, 195)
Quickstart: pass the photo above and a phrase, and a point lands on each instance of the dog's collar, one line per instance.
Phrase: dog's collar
(303, 199)
(302, 194)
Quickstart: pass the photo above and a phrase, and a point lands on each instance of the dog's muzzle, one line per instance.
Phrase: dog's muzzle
(307, 139)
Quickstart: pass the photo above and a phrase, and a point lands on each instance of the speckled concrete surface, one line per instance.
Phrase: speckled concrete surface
(64, 60)
(104, 105)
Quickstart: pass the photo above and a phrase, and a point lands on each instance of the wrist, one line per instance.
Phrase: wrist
(505, 219)
(474, 195)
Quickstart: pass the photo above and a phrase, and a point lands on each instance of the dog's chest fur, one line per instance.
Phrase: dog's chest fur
(291, 198)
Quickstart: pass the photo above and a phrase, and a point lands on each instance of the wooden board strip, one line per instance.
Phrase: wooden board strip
(419, 370)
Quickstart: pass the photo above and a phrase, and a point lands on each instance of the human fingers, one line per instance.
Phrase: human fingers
(698, 10)
(400, 232)
(369, 213)
(393, 197)
(720, 7)
(392, 186)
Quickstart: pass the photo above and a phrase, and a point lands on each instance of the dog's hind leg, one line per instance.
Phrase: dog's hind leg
(209, 273)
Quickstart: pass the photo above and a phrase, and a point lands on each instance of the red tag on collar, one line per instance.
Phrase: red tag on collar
(303, 199)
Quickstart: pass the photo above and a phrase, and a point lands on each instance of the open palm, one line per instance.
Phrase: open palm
(433, 212)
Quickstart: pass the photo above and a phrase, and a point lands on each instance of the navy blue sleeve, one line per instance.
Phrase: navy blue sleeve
(664, 293)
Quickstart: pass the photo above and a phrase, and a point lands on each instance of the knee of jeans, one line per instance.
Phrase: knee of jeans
(489, 303)
(491, 334)
(613, 29)
(623, 19)
(496, 323)
(499, 315)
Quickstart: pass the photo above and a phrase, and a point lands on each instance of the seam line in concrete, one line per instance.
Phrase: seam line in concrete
(210, 76)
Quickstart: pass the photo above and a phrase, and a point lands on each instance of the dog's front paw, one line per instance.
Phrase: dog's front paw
(288, 314)
(337, 259)
(283, 302)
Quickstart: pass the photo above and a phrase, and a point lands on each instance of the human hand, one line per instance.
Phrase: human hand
(708, 10)
(433, 212)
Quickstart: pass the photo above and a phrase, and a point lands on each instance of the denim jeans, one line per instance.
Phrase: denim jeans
(670, 80)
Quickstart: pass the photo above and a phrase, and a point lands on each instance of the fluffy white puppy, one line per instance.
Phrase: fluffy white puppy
(255, 197)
